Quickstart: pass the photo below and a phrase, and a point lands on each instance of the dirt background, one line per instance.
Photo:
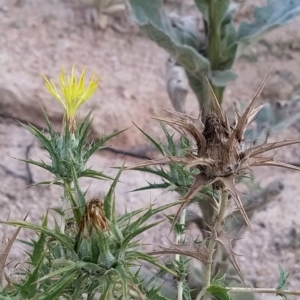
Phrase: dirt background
(38, 37)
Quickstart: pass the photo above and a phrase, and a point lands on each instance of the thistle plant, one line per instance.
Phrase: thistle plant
(217, 156)
(92, 253)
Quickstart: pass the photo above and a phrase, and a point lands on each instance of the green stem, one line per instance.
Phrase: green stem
(214, 44)
(65, 201)
(179, 240)
(263, 291)
(212, 245)
(213, 38)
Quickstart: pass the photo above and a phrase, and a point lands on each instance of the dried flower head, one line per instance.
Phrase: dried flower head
(220, 151)
(93, 218)
(92, 242)
(74, 93)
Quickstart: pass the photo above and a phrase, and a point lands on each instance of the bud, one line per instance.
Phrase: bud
(92, 243)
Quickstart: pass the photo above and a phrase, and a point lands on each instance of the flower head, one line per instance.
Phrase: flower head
(74, 93)
(91, 242)
(220, 152)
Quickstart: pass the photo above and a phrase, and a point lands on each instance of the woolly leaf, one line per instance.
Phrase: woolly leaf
(274, 14)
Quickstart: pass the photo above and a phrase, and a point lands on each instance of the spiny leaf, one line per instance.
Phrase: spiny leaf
(136, 255)
(78, 208)
(29, 288)
(151, 139)
(100, 144)
(124, 278)
(151, 186)
(219, 292)
(138, 231)
(39, 164)
(44, 141)
(67, 242)
(80, 196)
(171, 146)
(93, 174)
(109, 206)
(150, 212)
(38, 246)
(57, 288)
(83, 131)
(52, 133)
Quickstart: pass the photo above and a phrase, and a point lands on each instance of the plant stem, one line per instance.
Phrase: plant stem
(178, 240)
(212, 245)
(213, 37)
(63, 216)
(214, 42)
(263, 291)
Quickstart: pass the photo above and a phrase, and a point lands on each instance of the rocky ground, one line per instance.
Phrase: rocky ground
(39, 37)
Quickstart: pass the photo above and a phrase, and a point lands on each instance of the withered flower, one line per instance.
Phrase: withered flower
(93, 218)
(92, 243)
(220, 151)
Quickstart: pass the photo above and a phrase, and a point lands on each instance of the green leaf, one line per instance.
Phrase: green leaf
(137, 231)
(71, 268)
(171, 146)
(132, 227)
(93, 174)
(219, 292)
(66, 241)
(274, 14)
(152, 186)
(156, 24)
(58, 287)
(39, 164)
(123, 277)
(282, 284)
(151, 139)
(219, 10)
(77, 293)
(221, 78)
(109, 206)
(159, 172)
(82, 132)
(218, 279)
(39, 246)
(29, 288)
(50, 128)
(45, 142)
(222, 45)
(77, 207)
(135, 255)
(107, 291)
(100, 144)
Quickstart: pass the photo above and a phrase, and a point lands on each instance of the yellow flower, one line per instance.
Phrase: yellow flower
(74, 93)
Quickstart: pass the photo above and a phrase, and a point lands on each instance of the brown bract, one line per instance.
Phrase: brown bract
(220, 152)
(93, 218)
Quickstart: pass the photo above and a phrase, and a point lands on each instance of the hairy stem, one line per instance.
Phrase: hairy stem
(212, 245)
(263, 291)
(178, 240)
